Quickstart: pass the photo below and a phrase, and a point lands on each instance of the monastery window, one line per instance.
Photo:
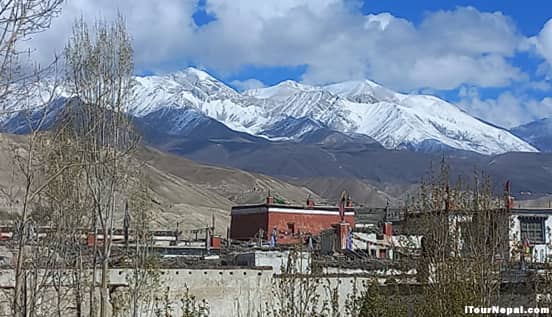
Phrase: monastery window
(291, 227)
(532, 229)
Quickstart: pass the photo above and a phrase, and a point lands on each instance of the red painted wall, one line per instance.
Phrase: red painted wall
(215, 242)
(246, 226)
(303, 223)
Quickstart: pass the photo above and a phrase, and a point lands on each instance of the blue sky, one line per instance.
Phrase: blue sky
(529, 15)
(492, 58)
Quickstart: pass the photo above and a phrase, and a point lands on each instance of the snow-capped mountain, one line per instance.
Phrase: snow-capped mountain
(199, 90)
(290, 110)
(538, 133)
(291, 127)
(393, 119)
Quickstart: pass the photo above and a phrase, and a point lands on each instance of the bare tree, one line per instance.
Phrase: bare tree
(465, 242)
(374, 300)
(298, 293)
(28, 185)
(19, 20)
(465, 227)
(144, 276)
(65, 205)
(100, 69)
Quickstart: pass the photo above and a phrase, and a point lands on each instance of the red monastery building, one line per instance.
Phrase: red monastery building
(288, 222)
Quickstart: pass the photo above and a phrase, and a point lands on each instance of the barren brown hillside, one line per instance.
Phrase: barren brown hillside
(187, 192)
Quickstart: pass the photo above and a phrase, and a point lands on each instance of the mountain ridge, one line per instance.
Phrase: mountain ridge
(537, 133)
(395, 120)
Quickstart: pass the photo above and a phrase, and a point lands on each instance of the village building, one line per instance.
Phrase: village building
(280, 223)
(531, 234)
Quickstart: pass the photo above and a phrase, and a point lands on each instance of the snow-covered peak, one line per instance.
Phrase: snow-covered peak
(293, 84)
(199, 74)
(363, 91)
(281, 91)
(393, 119)
(193, 78)
(188, 88)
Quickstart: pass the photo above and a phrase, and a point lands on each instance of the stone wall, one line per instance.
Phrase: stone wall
(228, 291)
(241, 292)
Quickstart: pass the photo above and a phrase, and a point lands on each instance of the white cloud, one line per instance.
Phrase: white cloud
(545, 70)
(247, 84)
(161, 30)
(331, 37)
(542, 44)
(543, 41)
(485, 71)
(507, 110)
(337, 42)
(539, 85)
(470, 32)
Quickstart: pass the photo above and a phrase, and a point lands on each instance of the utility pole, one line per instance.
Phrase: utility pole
(207, 239)
(228, 237)
(260, 239)
(126, 224)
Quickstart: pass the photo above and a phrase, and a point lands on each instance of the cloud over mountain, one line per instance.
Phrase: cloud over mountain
(337, 42)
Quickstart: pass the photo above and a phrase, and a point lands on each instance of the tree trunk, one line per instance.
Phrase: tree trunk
(104, 292)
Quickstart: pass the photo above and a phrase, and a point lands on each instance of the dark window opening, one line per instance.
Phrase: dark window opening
(291, 227)
(532, 229)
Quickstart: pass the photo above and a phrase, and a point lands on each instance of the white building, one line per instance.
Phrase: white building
(531, 232)
(386, 246)
(278, 260)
